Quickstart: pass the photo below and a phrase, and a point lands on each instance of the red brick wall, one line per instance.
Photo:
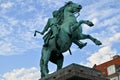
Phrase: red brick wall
(103, 67)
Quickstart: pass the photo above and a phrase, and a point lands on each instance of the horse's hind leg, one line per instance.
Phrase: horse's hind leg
(41, 66)
(60, 62)
(44, 61)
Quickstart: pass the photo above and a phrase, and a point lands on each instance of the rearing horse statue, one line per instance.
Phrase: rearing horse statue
(70, 31)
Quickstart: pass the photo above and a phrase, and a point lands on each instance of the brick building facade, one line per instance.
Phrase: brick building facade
(110, 69)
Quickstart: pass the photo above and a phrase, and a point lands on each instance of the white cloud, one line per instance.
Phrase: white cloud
(50, 3)
(102, 14)
(6, 5)
(114, 29)
(22, 74)
(3, 30)
(5, 48)
(114, 38)
(105, 53)
(94, 20)
(14, 45)
(114, 20)
(1, 77)
(16, 35)
(12, 21)
(109, 41)
(105, 16)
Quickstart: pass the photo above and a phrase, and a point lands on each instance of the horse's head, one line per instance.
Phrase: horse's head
(73, 7)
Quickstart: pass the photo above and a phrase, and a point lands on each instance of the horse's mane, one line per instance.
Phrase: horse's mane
(60, 13)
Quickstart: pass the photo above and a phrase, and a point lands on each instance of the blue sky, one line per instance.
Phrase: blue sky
(20, 51)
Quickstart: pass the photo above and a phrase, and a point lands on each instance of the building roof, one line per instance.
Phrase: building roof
(103, 67)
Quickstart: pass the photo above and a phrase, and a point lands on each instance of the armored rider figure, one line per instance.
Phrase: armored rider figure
(52, 33)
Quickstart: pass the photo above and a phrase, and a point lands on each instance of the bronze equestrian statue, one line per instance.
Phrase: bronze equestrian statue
(64, 30)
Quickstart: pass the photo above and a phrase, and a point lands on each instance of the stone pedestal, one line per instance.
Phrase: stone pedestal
(76, 72)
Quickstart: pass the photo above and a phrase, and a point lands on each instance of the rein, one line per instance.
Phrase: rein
(77, 15)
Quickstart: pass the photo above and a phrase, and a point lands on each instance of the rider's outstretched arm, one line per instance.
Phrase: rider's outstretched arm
(45, 28)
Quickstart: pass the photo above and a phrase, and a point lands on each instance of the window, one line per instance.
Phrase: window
(111, 69)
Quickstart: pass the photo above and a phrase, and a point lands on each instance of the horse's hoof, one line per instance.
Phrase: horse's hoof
(91, 24)
(99, 43)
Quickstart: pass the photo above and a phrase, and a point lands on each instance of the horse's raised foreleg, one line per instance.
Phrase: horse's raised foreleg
(44, 61)
(84, 36)
(77, 25)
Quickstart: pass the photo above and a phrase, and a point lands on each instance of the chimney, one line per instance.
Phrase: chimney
(116, 56)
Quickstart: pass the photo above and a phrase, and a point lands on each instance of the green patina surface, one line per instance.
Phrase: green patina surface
(64, 30)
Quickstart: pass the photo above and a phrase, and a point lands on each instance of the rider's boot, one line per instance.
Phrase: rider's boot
(81, 45)
(47, 41)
